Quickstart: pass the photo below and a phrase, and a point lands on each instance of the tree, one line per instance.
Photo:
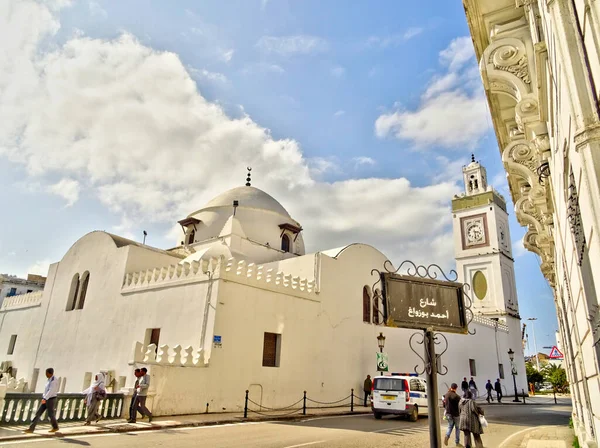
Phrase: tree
(557, 376)
(533, 375)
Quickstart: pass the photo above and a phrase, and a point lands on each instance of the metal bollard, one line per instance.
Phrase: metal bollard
(554, 396)
(246, 406)
(351, 400)
(523, 391)
(304, 404)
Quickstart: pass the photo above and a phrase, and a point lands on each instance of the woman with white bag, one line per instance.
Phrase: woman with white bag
(471, 420)
(94, 395)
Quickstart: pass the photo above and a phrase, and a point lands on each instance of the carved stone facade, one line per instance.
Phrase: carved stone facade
(540, 67)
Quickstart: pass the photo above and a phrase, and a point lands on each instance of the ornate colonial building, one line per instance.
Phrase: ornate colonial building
(540, 67)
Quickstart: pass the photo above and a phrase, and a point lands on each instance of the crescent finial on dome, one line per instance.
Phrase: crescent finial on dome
(249, 179)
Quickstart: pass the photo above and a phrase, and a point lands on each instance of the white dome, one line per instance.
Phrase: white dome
(258, 230)
(248, 197)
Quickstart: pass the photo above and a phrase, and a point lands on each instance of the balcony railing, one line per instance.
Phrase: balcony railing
(20, 409)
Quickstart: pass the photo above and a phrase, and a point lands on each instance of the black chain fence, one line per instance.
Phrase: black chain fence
(300, 406)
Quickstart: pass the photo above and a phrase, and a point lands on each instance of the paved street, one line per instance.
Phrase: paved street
(323, 432)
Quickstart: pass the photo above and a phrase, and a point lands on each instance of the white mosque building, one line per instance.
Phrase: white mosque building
(238, 305)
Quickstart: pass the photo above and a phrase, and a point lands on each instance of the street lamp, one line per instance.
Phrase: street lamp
(381, 344)
(537, 358)
(511, 356)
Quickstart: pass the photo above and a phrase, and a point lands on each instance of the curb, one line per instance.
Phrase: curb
(125, 429)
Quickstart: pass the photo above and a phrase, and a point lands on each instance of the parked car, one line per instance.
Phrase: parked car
(399, 394)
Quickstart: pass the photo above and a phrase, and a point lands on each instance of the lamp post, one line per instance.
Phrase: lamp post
(537, 358)
(381, 344)
(511, 356)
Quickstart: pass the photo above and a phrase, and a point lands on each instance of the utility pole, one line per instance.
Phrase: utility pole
(537, 358)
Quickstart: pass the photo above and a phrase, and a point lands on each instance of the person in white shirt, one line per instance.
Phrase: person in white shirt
(48, 402)
(142, 392)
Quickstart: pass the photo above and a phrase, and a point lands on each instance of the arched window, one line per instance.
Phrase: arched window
(366, 305)
(192, 237)
(73, 292)
(84, 286)
(286, 244)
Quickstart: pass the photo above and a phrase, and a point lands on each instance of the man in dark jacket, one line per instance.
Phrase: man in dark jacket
(489, 387)
(498, 389)
(464, 385)
(451, 400)
(367, 386)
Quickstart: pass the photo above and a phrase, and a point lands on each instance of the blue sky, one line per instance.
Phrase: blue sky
(126, 116)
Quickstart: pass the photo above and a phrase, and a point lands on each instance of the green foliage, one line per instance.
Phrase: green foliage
(557, 376)
(576, 443)
(533, 376)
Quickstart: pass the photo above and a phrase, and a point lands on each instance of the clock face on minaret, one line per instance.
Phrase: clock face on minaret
(474, 231)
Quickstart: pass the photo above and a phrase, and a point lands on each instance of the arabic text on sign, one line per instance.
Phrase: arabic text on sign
(413, 312)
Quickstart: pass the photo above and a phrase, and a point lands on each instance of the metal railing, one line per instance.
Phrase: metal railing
(296, 408)
(19, 409)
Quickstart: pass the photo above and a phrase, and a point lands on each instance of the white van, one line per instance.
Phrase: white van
(400, 394)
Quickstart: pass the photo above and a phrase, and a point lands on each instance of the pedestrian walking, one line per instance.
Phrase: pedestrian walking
(489, 388)
(133, 405)
(142, 393)
(464, 386)
(473, 389)
(452, 413)
(48, 402)
(498, 389)
(367, 386)
(469, 420)
(94, 396)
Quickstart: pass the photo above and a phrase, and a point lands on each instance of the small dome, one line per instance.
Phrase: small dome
(473, 165)
(248, 197)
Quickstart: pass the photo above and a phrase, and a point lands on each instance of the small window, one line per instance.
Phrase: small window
(366, 305)
(192, 237)
(415, 385)
(286, 244)
(11, 344)
(84, 288)
(501, 371)
(152, 336)
(29, 290)
(271, 350)
(73, 293)
(472, 367)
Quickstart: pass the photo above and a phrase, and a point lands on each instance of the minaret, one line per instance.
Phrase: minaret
(482, 246)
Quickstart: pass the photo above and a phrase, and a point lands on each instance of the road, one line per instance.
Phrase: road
(354, 431)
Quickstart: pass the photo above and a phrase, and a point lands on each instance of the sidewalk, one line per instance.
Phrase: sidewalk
(15, 432)
(541, 437)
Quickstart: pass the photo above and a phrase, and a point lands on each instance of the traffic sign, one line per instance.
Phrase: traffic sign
(555, 353)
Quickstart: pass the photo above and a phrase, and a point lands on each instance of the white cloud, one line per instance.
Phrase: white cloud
(96, 9)
(518, 250)
(392, 40)
(412, 32)
(227, 55)
(359, 161)
(338, 72)
(452, 111)
(208, 75)
(39, 268)
(68, 189)
(450, 170)
(129, 123)
(339, 113)
(292, 45)
(458, 53)
(263, 67)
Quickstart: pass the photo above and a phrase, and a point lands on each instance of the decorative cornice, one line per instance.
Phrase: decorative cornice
(587, 135)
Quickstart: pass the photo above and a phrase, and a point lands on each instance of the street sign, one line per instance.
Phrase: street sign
(382, 362)
(555, 353)
(217, 341)
(414, 302)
